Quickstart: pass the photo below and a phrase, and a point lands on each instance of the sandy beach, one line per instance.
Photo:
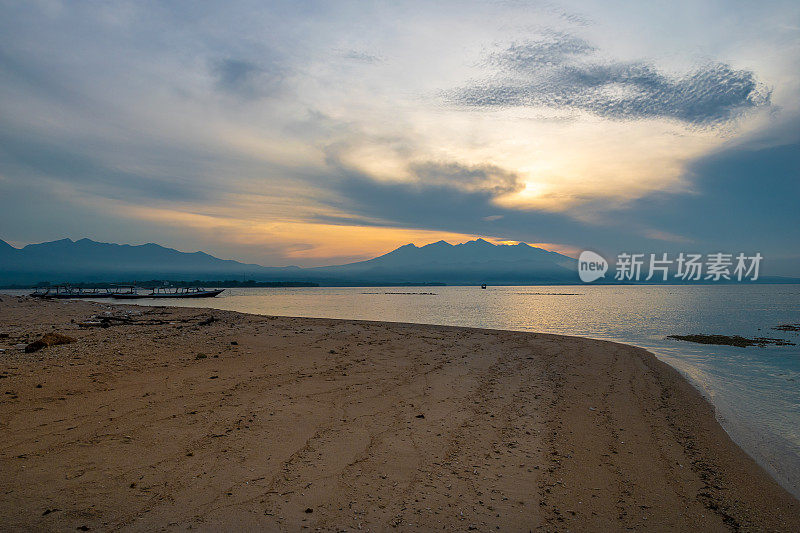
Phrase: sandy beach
(177, 418)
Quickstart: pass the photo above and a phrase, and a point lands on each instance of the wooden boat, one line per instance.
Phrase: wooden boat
(168, 292)
(66, 292)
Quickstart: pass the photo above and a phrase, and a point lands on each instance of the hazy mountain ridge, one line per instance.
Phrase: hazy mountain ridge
(471, 262)
(88, 253)
(478, 250)
(87, 260)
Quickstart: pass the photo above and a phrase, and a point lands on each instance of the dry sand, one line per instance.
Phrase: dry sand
(165, 424)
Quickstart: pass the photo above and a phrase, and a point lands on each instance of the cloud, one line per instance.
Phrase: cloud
(558, 48)
(566, 72)
(47, 164)
(743, 199)
(443, 207)
(246, 79)
(665, 236)
(223, 117)
(477, 178)
(362, 57)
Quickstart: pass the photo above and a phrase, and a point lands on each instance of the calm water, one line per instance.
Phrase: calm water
(756, 391)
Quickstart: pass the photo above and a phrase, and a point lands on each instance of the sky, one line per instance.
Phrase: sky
(315, 133)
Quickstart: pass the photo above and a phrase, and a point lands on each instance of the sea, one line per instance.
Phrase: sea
(755, 390)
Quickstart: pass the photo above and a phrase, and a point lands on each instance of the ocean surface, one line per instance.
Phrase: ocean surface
(755, 390)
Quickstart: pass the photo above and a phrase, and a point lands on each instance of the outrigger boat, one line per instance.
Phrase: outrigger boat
(65, 292)
(168, 292)
(124, 293)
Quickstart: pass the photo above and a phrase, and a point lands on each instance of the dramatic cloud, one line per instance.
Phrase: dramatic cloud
(563, 71)
(315, 132)
(480, 178)
(439, 206)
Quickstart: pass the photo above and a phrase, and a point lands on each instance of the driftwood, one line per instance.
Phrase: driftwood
(106, 321)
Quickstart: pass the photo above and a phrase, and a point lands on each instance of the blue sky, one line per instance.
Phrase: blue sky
(322, 132)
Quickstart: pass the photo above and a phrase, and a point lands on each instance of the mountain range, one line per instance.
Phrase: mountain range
(477, 261)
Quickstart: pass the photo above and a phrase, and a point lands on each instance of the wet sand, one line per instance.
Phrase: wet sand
(166, 420)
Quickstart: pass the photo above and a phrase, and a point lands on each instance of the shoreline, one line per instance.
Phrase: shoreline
(770, 449)
(517, 429)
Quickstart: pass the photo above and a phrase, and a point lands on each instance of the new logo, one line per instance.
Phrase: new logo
(591, 266)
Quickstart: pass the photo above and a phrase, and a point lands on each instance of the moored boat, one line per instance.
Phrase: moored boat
(68, 292)
(168, 292)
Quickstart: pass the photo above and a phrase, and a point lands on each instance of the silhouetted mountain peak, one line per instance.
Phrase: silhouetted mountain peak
(437, 244)
(403, 250)
(472, 261)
